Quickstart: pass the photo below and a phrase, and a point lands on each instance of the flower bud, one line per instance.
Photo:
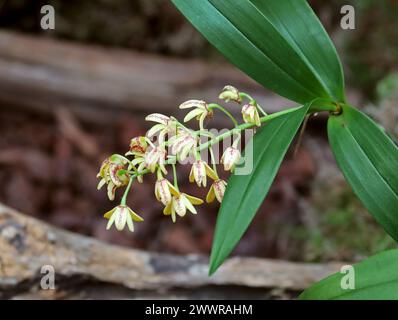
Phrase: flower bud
(217, 191)
(201, 111)
(183, 143)
(199, 172)
(181, 202)
(230, 158)
(250, 115)
(230, 93)
(138, 146)
(114, 174)
(163, 190)
(155, 156)
(165, 126)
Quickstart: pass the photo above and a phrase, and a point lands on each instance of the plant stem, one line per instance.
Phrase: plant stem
(318, 106)
(175, 176)
(253, 101)
(244, 127)
(126, 192)
(321, 104)
(217, 106)
(213, 160)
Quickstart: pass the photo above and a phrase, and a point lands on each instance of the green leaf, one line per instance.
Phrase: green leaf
(245, 193)
(374, 278)
(368, 159)
(280, 44)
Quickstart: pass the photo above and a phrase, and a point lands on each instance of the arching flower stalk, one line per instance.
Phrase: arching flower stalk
(147, 155)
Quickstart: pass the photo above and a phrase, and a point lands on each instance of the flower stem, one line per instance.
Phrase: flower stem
(253, 101)
(175, 176)
(217, 106)
(126, 192)
(321, 104)
(318, 105)
(244, 127)
(213, 160)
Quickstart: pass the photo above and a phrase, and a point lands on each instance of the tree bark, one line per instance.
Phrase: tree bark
(87, 268)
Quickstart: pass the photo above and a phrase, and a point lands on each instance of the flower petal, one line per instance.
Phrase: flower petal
(193, 104)
(167, 210)
(210, 172)
(130, 223)
(210, 195)
(155, 129)
(101, 184)
(110, 222)
(193, 200)
(230, 93)
(173, 190)
(192, 114)
(219, 189)
(188, 204)
(111, 191)
(120, 217)
(158, 117)
(109, 213)
(135, 216)
(162, 191)
(179, 206)
(173, 216)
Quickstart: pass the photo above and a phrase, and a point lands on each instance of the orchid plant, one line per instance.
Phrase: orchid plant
(282, 45)
(176, 142)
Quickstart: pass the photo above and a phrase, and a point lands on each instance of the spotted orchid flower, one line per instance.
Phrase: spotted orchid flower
(120, 216)
(180, 204)
(113, 173)
(165, 126)
(216, 191)
(200, 171)
(230, 93)
(250, 114)
(230, 158)
(200, 111)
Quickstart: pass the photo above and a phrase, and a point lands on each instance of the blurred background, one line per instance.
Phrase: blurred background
(70, 97)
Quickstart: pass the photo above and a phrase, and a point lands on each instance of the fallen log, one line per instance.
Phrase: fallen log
(42, 73)
(83, 265)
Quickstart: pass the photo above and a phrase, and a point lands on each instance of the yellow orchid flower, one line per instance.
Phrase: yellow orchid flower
(200, 171)
(183, 144)
(120, 216)
(114, 174)
(156, 156)
(180, 203)
(165, 126)
(230, 93)
(230, 158)
(163, 191)
(201, 111)
(250, 115)
(138, 146)
(216, 191)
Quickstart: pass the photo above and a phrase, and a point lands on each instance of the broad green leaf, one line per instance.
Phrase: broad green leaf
(280, 44)
(245, 193)
(368, 159)
(373, 278)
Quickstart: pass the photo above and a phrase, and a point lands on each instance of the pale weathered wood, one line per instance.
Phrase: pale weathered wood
(42, 73)
(27, 244)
